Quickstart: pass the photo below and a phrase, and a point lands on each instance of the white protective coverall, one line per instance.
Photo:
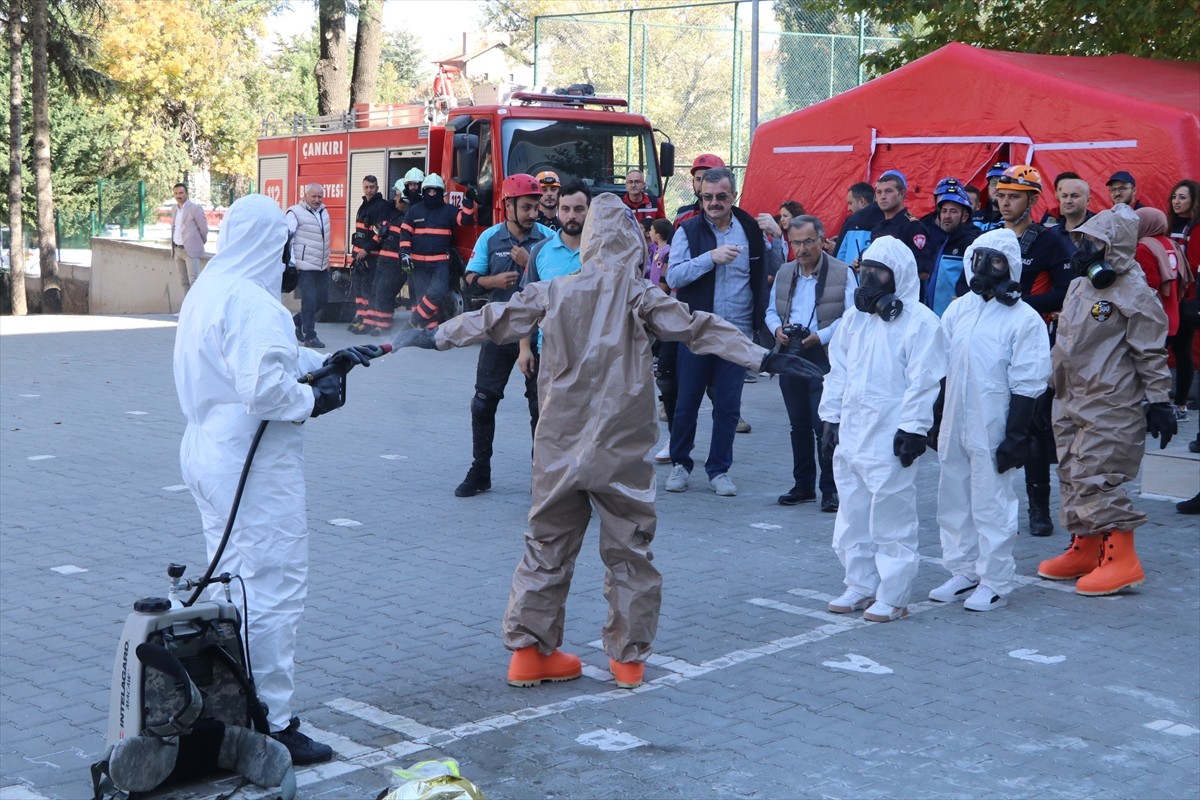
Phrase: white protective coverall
(884, 377)
(236, 363)
(597, 422)
(994, 351)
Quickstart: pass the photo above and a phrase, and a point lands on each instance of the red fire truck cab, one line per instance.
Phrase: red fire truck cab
(588, 138)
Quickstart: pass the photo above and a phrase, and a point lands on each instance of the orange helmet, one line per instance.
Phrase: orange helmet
(521, 185)
(548, 178)
(1021, 178)
(706, 161)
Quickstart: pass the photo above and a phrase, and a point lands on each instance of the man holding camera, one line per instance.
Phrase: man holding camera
(807, 301)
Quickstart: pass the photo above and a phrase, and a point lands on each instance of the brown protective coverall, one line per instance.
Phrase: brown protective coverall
(1109, 355)
(597, 423)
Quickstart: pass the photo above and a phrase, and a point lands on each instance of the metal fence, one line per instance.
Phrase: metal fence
(692, 69)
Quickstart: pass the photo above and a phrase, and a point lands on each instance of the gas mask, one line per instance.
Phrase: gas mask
(1091, 265)
(291, 275)
(991, 277)
(432, 198)
(876, 293)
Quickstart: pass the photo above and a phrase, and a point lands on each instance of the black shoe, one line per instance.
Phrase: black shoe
(478, 480)
(1189, 506)
(795, 496)
(303, 749)
(829, 502)
(299, 333)
(1039, 522)
(374, 331)
(314, 343)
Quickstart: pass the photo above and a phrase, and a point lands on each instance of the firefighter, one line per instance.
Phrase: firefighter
(499, 261)
(412, 186)
(371, 212)
(425, 241)
(390, 275)
(548, 210)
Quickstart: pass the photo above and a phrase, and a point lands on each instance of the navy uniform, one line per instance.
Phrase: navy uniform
(908, 229)
(371, 214)
(856, 233)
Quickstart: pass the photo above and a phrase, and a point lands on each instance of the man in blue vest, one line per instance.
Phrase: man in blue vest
(719, 263)
(950, 233)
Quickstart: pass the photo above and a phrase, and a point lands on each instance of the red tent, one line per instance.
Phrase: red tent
(960, 109)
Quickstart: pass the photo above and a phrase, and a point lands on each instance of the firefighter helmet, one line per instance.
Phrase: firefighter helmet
(706, 161)
(997, 169)
(954, 194)
(433, 181)
(521, 185)
(414, 175)
(1021, 178)
(548, 178)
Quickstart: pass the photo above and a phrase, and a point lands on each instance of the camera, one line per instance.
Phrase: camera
(796, 335)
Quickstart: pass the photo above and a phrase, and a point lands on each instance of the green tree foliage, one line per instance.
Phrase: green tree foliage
(1151, 29)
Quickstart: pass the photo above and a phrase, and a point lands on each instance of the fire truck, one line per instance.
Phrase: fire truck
(572, 132)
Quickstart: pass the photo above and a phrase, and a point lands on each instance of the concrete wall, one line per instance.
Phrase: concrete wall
(73, 279)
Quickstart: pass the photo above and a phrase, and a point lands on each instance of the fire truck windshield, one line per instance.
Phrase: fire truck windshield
(596, 153)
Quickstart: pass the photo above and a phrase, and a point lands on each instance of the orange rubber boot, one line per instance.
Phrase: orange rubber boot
(529, 667)
(629, 675)
(1081, 557)
(1119, 567)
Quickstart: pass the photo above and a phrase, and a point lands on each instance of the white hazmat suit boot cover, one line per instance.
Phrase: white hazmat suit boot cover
(884, 377)
(236, 363)
(995, 351)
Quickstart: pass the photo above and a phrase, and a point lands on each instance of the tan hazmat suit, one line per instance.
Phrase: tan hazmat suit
(597, 422)
(1110, 355)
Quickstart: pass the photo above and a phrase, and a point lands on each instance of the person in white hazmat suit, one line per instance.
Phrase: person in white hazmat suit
(999, 364)
(887, 361)
(236, 364)
(596, 425)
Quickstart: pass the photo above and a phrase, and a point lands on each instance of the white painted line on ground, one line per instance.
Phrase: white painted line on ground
(179, 487)
(17, 791)
(1035, 657)
(596, 673)
(68, 569)
(39, 458)
(346, 748)
(610, 741)
(788, 608)
(393, 457)
(31, 395)
(377, 716)
(676, 665)
(857, 663)
(767, 526)
(138, 413)
(345, 523)
(811, 595)
(1172, 727)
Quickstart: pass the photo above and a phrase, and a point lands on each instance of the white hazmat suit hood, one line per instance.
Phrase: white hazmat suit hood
(884, 377)
(236, 364)
(995, 351)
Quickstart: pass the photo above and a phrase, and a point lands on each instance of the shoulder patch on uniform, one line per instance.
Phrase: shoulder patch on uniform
(919, 241)
(1101, 310)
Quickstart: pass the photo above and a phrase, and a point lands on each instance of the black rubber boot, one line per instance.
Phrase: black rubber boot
(479, 476)
(302, 749)
(1040, 521)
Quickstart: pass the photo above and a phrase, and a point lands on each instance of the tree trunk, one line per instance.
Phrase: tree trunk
(333, 78)
(47, 242)
(16, 241)
(368, 46)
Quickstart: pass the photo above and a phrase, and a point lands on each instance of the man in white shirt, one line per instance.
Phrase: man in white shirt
(189, 232)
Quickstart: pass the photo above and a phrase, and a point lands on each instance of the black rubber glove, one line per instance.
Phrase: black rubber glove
(345, 360)
(470, 197)
(829, 439)
(1161, 423)
(796, 367)
(329, 393)
(908, 447)
(415, 337)
(1015, 448)
(938, 405)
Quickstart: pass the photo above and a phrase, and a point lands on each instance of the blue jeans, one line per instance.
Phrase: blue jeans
(695, 374)
(801, 398)
(312, 287)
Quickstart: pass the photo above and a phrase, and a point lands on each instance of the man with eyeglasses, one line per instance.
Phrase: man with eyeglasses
(719, 263)
(807, 301)
(548, 208)
(636, 199)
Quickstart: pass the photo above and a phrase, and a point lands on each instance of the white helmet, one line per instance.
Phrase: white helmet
(414, 175)
(433, 181)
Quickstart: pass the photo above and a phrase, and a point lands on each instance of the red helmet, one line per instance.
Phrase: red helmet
(521, 185)
(706, 161)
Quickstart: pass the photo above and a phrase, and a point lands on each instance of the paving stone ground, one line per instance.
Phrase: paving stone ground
(754, 692)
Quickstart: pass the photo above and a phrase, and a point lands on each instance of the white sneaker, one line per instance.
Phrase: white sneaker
(678, 480)
(984, 598)
(849, 601)
(751, 377)
(953, 590)
(662, 412)
(1181, 414)
(723, 485)
(742, 426)
(882, 612)
(663, 456)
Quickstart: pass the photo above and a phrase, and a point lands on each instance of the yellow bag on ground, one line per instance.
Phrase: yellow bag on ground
(432, 780)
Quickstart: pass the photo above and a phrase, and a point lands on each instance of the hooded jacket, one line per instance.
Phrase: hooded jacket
(596, 387)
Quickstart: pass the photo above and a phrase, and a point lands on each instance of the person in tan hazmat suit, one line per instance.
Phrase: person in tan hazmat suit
(1108, 357)
(596, 426)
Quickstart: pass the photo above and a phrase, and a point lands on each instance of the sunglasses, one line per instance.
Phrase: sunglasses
(723, 197)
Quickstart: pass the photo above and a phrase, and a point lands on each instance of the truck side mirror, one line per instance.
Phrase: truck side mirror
(666, 159)
(466, 158)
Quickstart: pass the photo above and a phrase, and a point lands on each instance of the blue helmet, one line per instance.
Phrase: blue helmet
(947, 184)
(997, 170)
(955, 194)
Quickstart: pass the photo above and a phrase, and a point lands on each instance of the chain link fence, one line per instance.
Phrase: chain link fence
(690, 68)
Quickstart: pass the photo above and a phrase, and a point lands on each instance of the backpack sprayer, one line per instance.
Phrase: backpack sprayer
(183, 701)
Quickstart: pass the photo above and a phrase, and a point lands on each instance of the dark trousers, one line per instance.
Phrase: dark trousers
(429, 288)
(496, 362)
(1181, 345)
(801, 398)
(389, 280)
(312, 287)
(664, 377)
(362, 280)
(695, 374)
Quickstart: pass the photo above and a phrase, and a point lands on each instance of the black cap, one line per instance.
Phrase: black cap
(1121, 177)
